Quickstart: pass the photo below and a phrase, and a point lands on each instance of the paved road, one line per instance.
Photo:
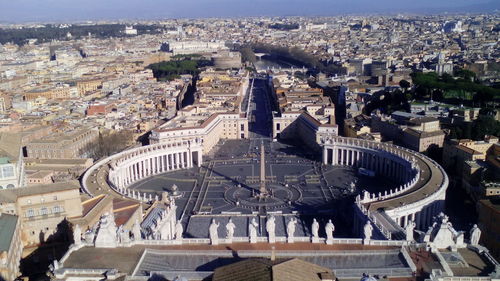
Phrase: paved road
(260, 111)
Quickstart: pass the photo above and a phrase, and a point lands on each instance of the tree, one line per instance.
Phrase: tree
(404, 84)
(108, 143)
(247, 54)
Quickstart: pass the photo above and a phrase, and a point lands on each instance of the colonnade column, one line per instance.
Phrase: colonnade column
(189, 158)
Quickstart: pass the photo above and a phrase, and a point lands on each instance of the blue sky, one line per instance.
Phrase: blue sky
(67, 10)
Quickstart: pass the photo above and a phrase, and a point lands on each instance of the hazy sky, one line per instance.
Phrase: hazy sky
(67, 10)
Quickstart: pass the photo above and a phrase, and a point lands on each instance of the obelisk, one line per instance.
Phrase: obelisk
(262, 190)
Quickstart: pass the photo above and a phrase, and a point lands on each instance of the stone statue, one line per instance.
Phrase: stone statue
(124, 235)
(165, 198)
(410, 226)
(252, 231)
(290, 228)
(270, 228)
(315, 228)
(475, 235)
(106, 235)
(314, 231)
(174, 190)
(77, 235)
(368, 230)
(213, 231)
(136, 231)
(230, 230)
(178, 230)
(89, 236)
(329, 229)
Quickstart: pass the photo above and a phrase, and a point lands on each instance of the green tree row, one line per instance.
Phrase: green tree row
(462, 86)
(169, 70)
(52, 32)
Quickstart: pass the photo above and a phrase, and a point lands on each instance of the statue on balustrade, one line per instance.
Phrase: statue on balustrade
(475, 235)
(213, 231)
(314, 231)
(270, 228)
(409, 231)
(178, 230)
(329, 229)
(230, 230)
(368, 230)
(290, 227)
(252, 230)
(136, 231)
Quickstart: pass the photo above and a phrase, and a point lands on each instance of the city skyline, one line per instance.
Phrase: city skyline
(216, 140)
(58, 11)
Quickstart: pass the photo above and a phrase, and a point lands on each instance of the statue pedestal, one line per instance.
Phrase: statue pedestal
(366, 241)
(253, 240)
(329, 241)
(214, 242)
(315, 239)
(290, 240)
(271, 240)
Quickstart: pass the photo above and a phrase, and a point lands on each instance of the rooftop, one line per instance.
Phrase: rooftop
(8, 225)
(11, 195)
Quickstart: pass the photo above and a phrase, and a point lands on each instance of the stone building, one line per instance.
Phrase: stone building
(49, 93)
(11, 246)
(413, 131)
(42, 208)
(488, 218)
(88, 85)
(457, 152)
(11, 161)
(62, 145)
(5, 102)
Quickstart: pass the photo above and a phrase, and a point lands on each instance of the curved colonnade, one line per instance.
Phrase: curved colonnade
(130, 166)
(420, 196)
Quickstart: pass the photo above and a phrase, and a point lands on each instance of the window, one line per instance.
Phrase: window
(30, 213)
(55, 198)
(44, 211)
(56, 209)
(8, 171)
